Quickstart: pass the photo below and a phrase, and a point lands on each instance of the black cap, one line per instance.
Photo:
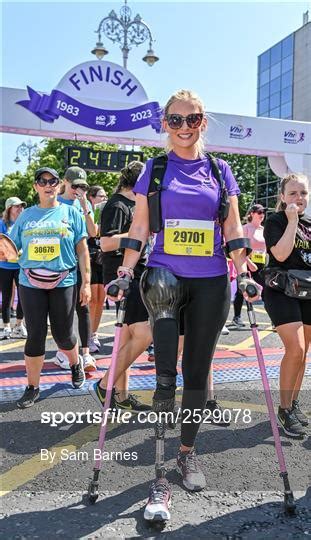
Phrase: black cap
(257, 208)
(39, 172)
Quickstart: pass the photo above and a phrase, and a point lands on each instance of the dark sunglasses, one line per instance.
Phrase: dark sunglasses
(52, 182)
(80, 186)
(175, 121)
(260, 212)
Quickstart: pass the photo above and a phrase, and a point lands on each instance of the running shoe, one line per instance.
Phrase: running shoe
(157, 508)
(237, 321)
(28, 398)
(189, 468)
(99, 394)
(301, 417)
(215, 413)
(19, 332)
(89, 362)
(6, 333)
(132, 404)
(94, 343)
(225, 331)
(291, 426)
(61, 360)
(78, 375)
(12, 313)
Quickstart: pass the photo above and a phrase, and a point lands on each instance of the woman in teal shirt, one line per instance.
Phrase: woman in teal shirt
(50, 235)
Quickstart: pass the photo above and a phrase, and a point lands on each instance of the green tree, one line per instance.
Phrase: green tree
(244, 171)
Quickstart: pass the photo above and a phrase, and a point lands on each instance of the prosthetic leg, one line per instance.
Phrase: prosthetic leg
(163, 296)
(157, 508)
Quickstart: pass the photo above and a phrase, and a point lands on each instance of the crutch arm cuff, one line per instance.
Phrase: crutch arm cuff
(238, 243)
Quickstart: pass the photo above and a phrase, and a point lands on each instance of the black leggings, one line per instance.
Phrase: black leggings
(83, 312)
(59, 304)
(7, 277)
(206, 305)
(239, 298)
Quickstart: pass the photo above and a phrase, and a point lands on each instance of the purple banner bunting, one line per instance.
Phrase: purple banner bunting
(49, 108)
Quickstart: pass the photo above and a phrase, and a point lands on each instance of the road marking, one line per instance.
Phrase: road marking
(20, 343)
(246, 343)
(29, 469)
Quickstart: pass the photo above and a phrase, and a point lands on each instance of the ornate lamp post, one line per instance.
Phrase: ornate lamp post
(122, 29)
(28, 150)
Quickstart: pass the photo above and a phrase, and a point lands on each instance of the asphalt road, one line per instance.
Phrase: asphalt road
(44, 494)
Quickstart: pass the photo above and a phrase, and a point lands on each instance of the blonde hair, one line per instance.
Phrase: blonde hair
(296, 177)
(185, 95)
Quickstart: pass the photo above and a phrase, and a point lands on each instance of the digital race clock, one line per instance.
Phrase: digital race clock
(100, 160)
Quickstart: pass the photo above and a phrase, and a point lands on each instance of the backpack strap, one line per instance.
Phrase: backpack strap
(224, 203)
(159, 165)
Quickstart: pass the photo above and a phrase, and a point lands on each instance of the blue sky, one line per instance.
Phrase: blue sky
(209, 47)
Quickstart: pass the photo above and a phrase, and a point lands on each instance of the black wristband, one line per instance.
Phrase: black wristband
(130, 243)
(238, 243)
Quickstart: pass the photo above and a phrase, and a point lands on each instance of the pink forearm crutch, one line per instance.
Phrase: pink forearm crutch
(289, 502)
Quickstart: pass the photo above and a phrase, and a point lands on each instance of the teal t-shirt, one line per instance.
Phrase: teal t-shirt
(48, 237)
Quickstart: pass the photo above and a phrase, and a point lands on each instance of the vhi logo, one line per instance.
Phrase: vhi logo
(293, 137)
(240, 132)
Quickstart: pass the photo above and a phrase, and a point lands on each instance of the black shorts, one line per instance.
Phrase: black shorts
(283, 310)
(135, 310)
(96, 274)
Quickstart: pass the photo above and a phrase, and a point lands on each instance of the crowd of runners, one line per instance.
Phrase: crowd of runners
(183, 208)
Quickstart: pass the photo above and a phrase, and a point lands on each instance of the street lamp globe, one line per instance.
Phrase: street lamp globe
(150, 57)
(99, 50)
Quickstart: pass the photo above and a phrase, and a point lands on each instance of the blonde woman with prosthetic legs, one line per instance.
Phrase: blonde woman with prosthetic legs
(178, 276)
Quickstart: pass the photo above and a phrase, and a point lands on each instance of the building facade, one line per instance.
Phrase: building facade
(284, 77)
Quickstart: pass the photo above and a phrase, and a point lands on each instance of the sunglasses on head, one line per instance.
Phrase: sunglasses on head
(52, 182)
(259, 212)
(80, 186)
(175, 121)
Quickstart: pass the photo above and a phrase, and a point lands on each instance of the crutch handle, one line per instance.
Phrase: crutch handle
(251, 290)
(121, 283)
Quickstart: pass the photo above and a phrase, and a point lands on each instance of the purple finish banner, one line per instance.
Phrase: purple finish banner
(49, 108)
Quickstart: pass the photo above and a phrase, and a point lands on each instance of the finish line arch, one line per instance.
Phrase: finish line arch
(103, 102)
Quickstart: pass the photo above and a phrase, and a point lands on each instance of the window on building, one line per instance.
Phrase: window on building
(287, 79)
(286, 95)
(286, 110)
(275, 113)
(264, 77)
(264, 61)
(275, 85)
(287, 64)
(275, 71)
(264, 92)
(263, 107)
(275, 100)
(288, 46)
(276, 53)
